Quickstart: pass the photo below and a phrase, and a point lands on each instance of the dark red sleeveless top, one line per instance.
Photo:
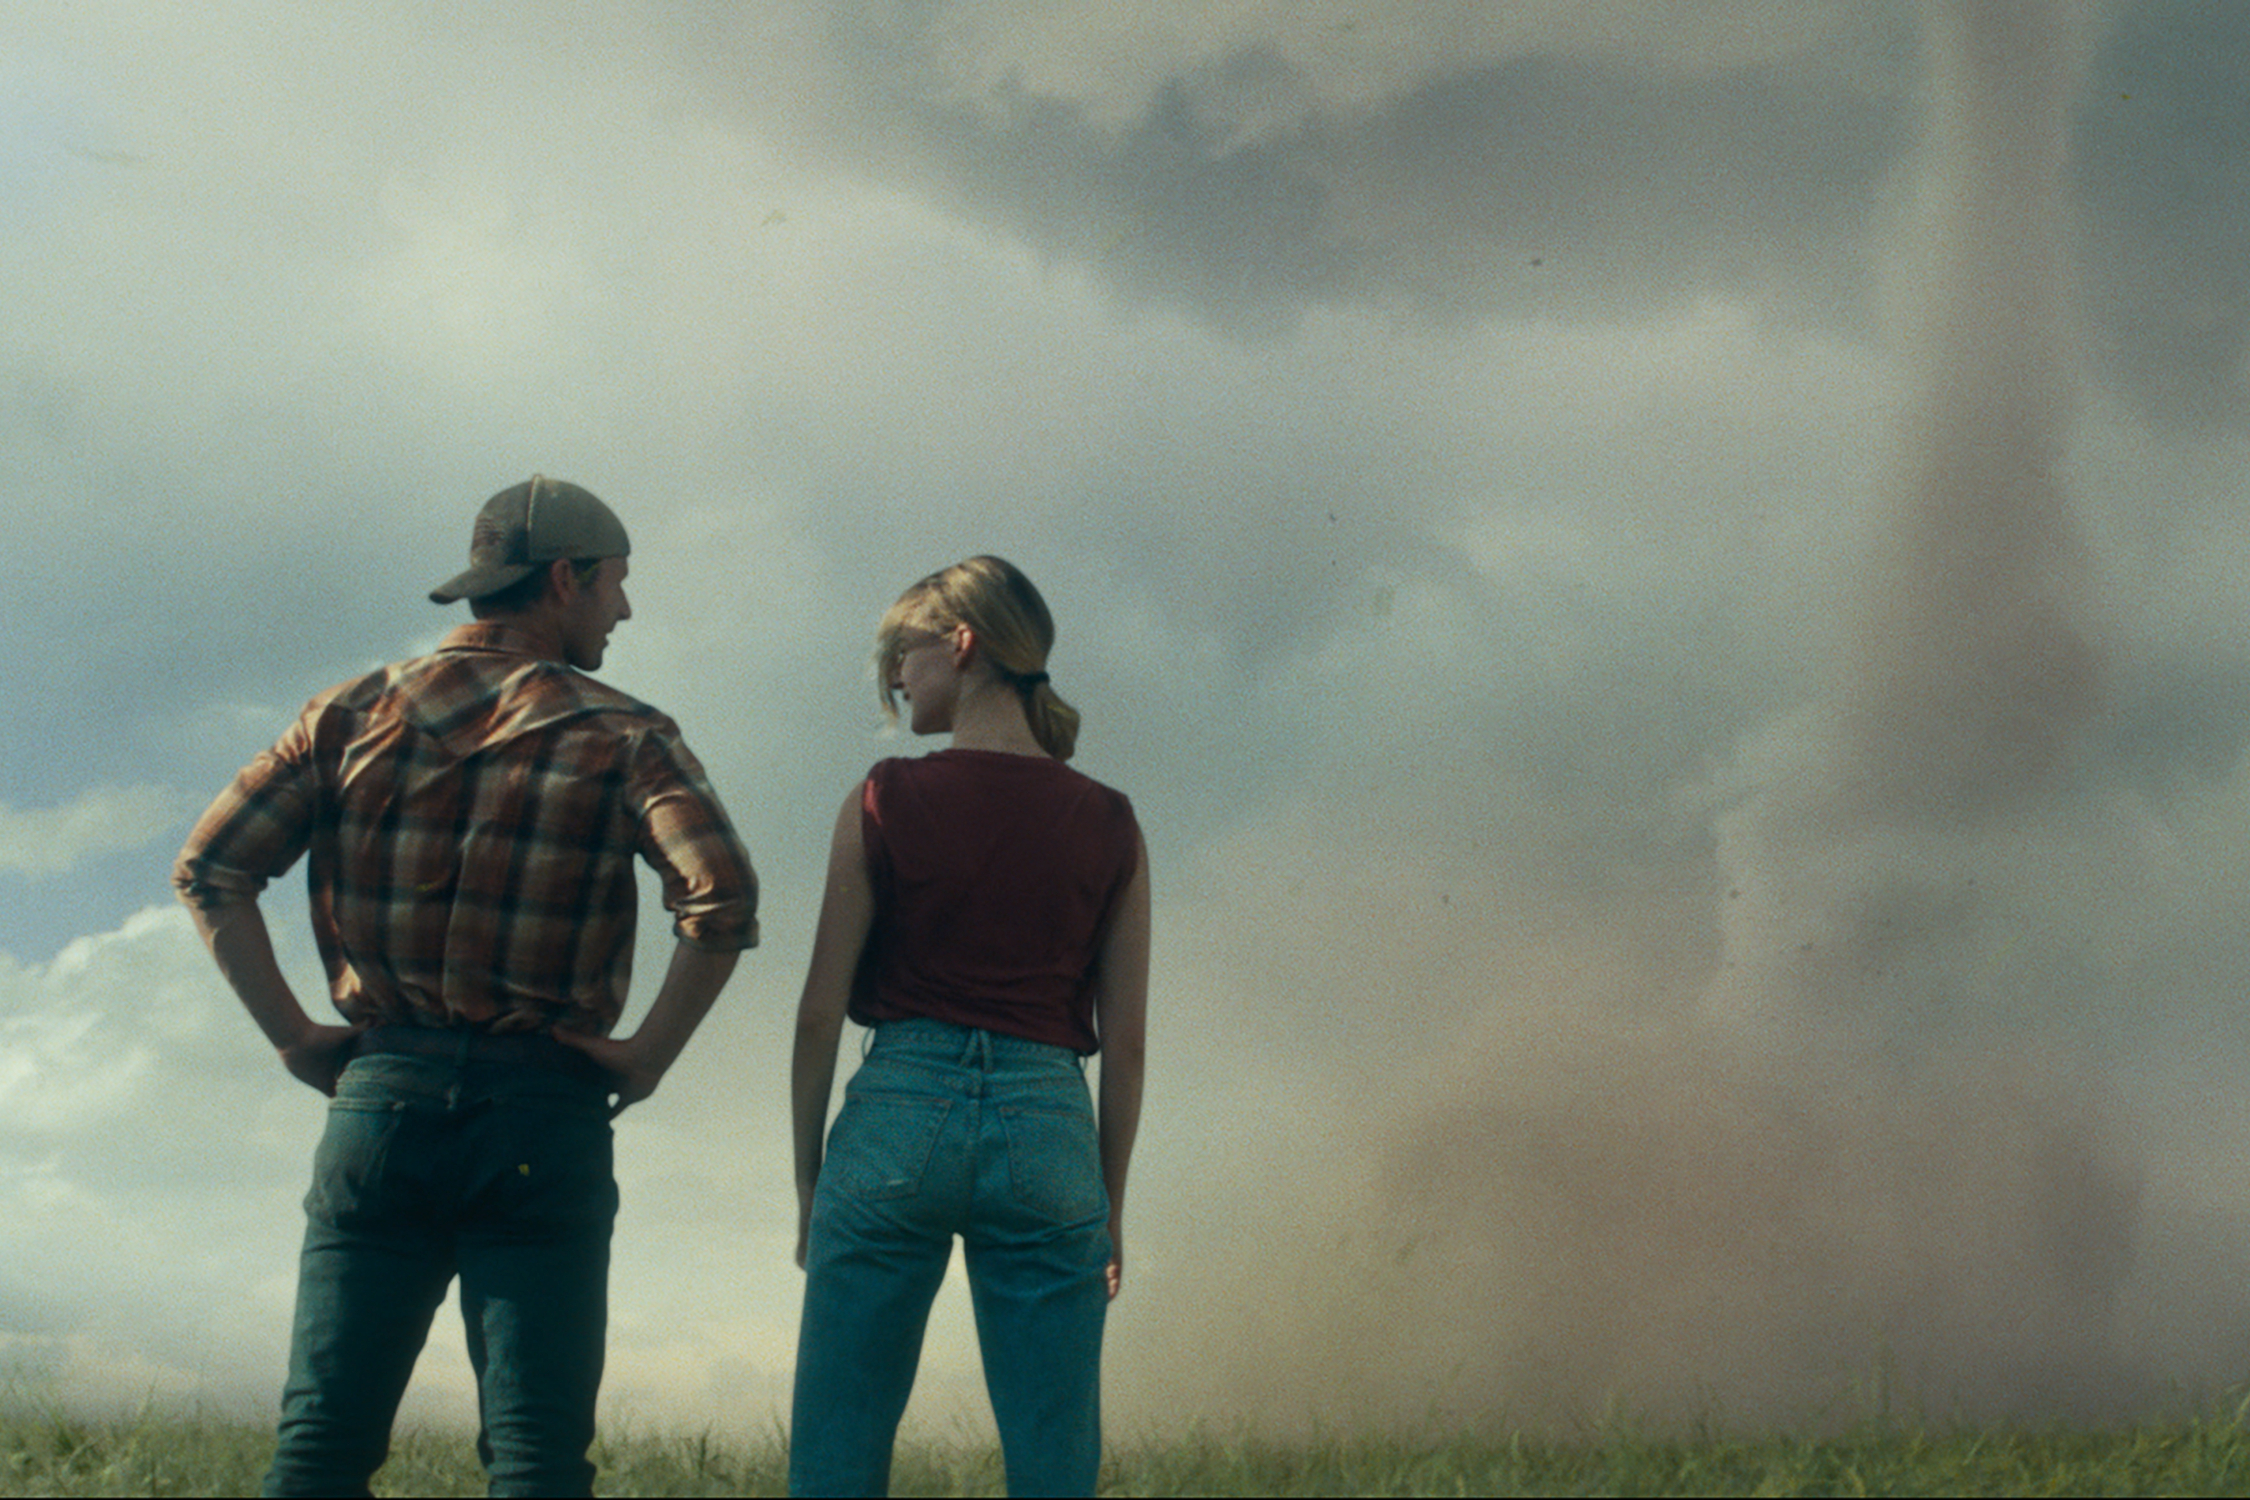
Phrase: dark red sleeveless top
(995, 878)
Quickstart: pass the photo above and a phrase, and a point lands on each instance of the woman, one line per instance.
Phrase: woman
(987, 915)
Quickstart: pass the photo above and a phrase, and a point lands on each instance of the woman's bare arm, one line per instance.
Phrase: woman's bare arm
(1121, 1012)
(847, 910)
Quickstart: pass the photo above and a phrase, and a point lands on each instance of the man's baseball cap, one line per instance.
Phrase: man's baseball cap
(527, 526)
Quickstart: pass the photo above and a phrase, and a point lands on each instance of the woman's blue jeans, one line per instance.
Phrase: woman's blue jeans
(951, 1131)
(432, 1168)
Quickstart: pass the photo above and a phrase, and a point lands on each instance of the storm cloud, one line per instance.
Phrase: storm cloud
(1473, 456)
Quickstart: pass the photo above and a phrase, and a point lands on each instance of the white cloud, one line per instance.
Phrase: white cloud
(101, 820)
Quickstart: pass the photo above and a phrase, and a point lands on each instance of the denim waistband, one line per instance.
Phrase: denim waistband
(965, 1046)
(448, 1044)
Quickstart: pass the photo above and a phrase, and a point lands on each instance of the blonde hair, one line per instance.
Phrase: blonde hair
(991, 596)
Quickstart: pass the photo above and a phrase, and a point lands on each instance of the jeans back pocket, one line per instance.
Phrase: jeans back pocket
(880, 1145)
(355, 1178)
(1055, 1164)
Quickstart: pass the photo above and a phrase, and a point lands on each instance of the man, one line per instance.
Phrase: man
(472, 818)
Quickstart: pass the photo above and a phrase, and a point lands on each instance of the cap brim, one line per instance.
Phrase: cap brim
(478, 582)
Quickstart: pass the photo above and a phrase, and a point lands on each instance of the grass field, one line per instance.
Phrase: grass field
(47, 1451)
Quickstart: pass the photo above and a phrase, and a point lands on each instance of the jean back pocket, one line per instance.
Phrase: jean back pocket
(1055, 1164)
(880, 1145)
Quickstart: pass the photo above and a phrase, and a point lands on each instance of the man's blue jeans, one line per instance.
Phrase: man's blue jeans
(432, 1167)
(951, 1131)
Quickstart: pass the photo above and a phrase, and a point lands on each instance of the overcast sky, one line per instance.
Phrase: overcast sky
(1465, 448)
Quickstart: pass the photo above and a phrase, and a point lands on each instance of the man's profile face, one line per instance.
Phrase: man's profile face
(594, 614)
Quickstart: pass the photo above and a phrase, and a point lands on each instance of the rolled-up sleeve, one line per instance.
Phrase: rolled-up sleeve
(255, 830)
(709, 887)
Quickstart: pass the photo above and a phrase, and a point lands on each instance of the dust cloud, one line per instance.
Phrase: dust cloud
(1852, 1101)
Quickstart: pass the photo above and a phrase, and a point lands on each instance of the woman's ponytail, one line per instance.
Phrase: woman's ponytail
(1054, 723)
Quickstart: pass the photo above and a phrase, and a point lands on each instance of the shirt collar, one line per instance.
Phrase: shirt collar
(492, 635)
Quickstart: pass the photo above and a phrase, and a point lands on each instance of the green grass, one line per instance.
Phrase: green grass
(48, 1451)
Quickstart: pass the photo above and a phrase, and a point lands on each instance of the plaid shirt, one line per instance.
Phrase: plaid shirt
(473, 817)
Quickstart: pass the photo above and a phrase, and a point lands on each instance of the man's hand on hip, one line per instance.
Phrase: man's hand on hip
(635, 1079)
(318, 1056)
(639, 1061)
